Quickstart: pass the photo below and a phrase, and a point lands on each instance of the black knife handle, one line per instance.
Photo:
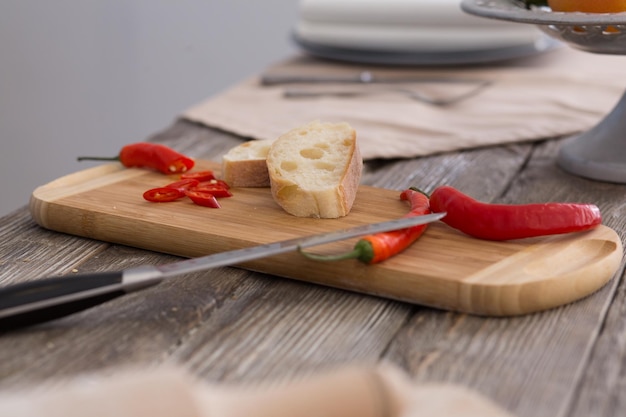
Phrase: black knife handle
(35, 302)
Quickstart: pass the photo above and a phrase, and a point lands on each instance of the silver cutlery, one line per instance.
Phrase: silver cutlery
(310, 92)
(363, 77)
(42, 300)
(371, 84)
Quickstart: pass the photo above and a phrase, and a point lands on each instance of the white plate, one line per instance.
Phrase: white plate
(427, 58)
(415, 32)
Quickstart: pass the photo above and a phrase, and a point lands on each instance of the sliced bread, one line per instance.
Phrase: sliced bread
(245, 166)
(315, 170)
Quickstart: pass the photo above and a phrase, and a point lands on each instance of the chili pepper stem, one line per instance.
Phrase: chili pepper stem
(354, 254)
(98, 158)
(420, 191)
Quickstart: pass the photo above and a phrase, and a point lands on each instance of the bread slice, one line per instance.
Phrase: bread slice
(244, 165)
(315, 170)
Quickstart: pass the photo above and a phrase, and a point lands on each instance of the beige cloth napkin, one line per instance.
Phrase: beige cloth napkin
(347, 392)
(556, 93)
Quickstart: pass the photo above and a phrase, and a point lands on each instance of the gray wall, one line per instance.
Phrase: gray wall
(88, 76)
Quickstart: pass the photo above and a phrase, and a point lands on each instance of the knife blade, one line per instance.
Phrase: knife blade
(47, 299)
(363, 77)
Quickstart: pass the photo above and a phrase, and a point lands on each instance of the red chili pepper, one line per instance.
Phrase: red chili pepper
(214, 183)
(163, 194)
(199, 176)
(505, 221)
(149, 155)
(219, 192)
(202, 193)
(381, 246)
(183, 185)
(202, 198)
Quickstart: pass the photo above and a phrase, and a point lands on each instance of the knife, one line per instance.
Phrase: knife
(364, 77)
(47, 299)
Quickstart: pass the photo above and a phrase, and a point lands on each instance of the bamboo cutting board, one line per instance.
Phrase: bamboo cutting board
(443, 269)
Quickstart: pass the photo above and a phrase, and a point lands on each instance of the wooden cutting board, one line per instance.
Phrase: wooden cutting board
(443, 269)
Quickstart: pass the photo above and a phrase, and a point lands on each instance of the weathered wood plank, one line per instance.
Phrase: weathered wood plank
(212, 360)
(197, 141)
(275, 329)
(380, 317)
(602, 383)
(530, 365)
(30, 252)
(484, 173)
(138, 329)
(234, 325)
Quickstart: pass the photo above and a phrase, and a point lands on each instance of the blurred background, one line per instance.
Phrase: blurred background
(88, 76)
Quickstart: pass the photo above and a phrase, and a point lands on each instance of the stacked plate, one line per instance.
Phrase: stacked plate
(411, 32)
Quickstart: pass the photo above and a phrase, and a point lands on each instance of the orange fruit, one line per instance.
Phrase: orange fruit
(588, 6)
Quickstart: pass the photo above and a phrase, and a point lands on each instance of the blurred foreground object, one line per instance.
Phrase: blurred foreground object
(354, 391)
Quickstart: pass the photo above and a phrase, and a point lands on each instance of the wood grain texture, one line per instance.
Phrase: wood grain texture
(444, 269)
(530, 365)
(235, 325)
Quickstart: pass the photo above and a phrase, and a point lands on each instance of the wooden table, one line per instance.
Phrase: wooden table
(239, 326)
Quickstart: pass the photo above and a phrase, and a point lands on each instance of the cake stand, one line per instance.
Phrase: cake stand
(599, 153)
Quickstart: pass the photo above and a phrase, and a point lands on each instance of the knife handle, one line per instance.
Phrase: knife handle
(35, 302)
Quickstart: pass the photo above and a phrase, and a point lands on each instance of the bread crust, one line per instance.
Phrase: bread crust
(245, 164)
(292, 189)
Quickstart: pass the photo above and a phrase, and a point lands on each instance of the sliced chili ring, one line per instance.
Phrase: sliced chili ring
(202, 198)
(163, 194)
(214, 183)
(199, 175)
(184, 184)
(180, 165)
(216, 191)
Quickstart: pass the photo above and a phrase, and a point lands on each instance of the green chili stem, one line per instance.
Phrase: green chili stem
(419, 191)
